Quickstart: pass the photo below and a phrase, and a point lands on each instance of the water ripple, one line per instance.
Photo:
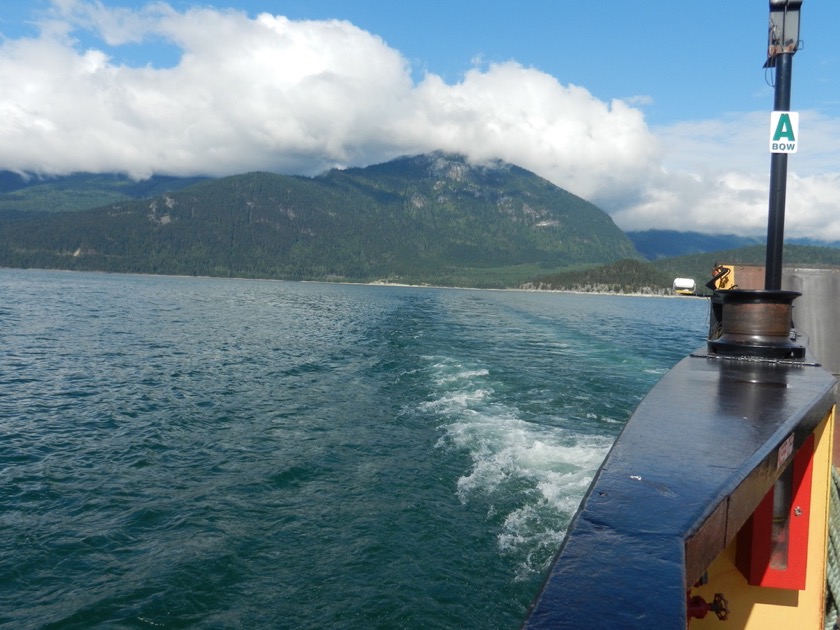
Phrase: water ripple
(183, 452)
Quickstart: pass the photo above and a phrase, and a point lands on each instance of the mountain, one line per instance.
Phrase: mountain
(656, 244)
(81, 191)
(431, 218)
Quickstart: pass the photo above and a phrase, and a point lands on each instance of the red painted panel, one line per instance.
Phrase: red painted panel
(772, 548)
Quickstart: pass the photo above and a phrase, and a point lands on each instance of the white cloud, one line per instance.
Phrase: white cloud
(268, 93)
(526, 117)
(716, 178)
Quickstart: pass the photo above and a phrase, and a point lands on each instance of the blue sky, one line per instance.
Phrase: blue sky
(657, 111)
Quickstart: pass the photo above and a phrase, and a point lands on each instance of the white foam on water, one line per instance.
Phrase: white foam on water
(531, 476)
(461, 376)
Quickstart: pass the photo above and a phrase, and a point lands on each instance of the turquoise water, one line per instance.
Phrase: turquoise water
(204, 453)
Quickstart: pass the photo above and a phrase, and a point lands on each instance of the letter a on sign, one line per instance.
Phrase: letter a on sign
(784, 132)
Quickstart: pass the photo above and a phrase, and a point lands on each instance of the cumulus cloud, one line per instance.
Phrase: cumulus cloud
(247, 94)
(715, 178)
(269, 93)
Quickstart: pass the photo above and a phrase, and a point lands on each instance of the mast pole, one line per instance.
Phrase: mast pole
(778, 182)
(782, 44)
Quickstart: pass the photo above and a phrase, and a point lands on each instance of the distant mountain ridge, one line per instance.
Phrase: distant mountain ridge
(80, 191)
(657, 244)
(430, 218)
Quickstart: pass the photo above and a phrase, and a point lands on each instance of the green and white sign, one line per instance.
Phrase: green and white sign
(784, 132)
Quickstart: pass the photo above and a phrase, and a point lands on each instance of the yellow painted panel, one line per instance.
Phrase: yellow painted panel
(754, 607)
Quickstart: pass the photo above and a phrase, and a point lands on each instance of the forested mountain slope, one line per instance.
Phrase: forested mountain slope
(429, 218)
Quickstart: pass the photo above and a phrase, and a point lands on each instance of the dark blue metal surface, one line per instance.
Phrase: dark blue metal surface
(692, 464)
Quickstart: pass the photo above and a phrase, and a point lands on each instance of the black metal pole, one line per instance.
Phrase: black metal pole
(778, 182)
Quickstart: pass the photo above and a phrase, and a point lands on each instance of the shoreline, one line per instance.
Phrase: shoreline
(373, 283)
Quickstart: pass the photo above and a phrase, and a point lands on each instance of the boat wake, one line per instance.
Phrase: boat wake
(529, 476)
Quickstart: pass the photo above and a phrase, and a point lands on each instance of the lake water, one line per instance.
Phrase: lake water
(214, 453)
